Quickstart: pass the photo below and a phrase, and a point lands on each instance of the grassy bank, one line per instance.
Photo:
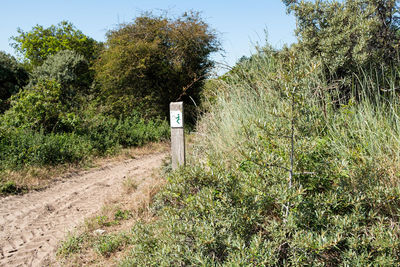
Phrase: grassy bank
(283, 173)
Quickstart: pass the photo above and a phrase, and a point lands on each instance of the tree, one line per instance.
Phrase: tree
(53, 97)
(39, 43)
(349, 34)
(12, 78)
(70, 70)
(155, 60)
(39, 106)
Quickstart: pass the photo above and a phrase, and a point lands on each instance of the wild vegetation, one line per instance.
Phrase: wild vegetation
(39, 43)
(295, 162)
(153, 61)
(296, 157)
(70, 98)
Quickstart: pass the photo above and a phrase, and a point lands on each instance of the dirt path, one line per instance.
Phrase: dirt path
(32, 225)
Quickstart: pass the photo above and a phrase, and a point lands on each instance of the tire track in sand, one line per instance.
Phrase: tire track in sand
(31, 225)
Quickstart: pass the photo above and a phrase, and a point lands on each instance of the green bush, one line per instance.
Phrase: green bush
(345, 35)
(100, 130)
(72, 244)
(135, 131)
(39, 43)
(38, 106)
(70, 70)
(238, 205)
(108, 133)
(153, 61)
(22, 147)
(10, 188)
(53, 99)
(22, 144)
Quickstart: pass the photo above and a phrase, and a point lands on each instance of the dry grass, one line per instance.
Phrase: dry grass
(37, 178)
(129, 185)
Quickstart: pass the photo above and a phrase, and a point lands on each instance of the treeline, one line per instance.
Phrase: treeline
(297, 158)
(69, 97)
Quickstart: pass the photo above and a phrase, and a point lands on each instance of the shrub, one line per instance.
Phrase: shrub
(111, 243)
(347, 34)
(108, 133)
(72, 244)
(38, 106)
(153, 61)
(135, 131)
(10, 188)
(24, 142)
(55, 95)
(238, 205)
(21, 147)
(70, 70)
(40, 43)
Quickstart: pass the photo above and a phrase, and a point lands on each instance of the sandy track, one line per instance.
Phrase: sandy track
(31, 225)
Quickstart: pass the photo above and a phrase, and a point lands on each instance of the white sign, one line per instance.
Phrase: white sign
(176, 119)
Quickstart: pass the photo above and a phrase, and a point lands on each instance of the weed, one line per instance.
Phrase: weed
(122, 215)
(110, 243)
(72, 244)
(103, 220)
(129, 185)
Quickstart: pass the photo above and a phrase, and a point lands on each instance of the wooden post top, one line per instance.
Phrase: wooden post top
(176, 106)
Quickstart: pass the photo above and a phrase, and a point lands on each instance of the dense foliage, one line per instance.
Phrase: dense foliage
(95, 135)
(283, 171)
(57, 116)
(53, 98)
(153, 61)
(247, 199)
(68, 68)
(12, 78)
(39, 43)
(39, 107)
(348, 35)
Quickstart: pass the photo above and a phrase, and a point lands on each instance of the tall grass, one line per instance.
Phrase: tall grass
(238, 205)
(242, 98)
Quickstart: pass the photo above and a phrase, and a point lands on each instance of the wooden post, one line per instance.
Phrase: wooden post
(177, 134)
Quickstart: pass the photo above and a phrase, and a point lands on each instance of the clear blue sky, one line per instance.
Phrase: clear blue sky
(240, 23)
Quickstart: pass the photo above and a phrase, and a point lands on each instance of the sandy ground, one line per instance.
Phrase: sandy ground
(31, 225)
